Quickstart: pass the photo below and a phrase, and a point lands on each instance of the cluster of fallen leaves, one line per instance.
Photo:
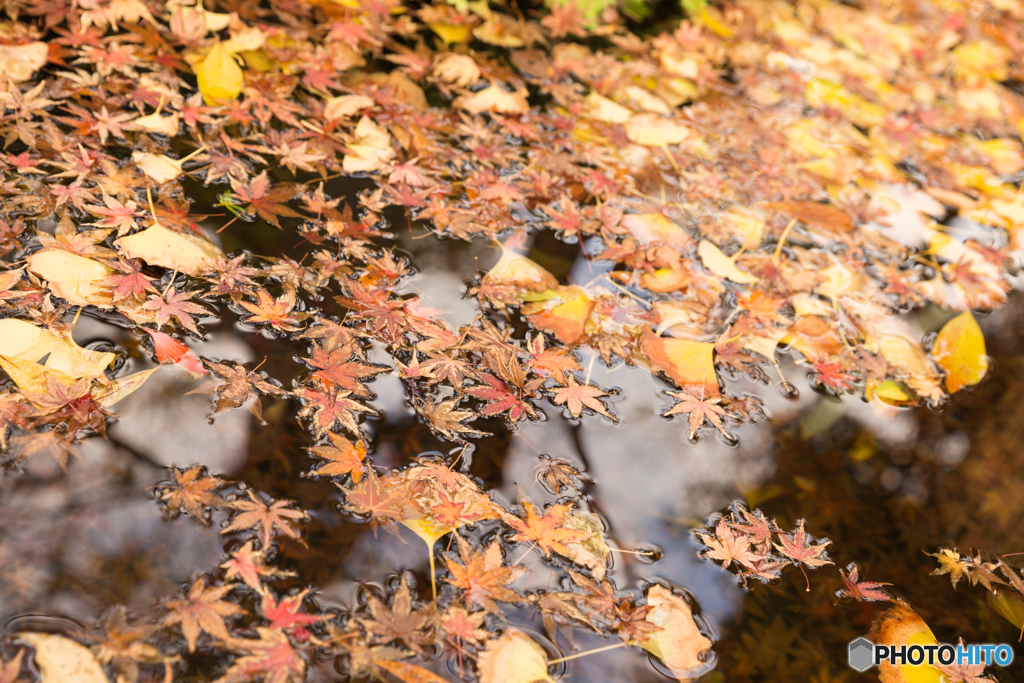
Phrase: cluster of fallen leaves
(248, 613)
(768, 174)
(1002, 580)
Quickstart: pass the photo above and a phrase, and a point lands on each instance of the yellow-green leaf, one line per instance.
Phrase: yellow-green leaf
(960, 351)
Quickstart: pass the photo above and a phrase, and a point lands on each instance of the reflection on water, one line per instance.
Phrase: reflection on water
(883, 484)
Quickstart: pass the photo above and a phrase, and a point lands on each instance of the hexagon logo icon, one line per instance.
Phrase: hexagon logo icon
(862, 655)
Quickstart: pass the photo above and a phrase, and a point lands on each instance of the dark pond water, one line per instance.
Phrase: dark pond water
(884, 484)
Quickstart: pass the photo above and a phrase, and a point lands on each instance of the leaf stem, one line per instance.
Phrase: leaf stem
(588, 652)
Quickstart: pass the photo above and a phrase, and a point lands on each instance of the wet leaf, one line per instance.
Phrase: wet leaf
(220, 78)
(678, 642)
(61, 659)
(959, 349)
(513, 658)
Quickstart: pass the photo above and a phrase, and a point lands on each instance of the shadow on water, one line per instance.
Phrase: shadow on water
(883, 485)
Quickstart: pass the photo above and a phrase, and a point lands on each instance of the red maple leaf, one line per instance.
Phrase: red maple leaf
(330, 407)
(285, 614)
(265, 202)
(376, 498)
(795, 547)
(343, 369)
(832, 376)
(861, 591)
(271, 311)
(175, 305)
(271, 655)
(500, 399)
(129, 283)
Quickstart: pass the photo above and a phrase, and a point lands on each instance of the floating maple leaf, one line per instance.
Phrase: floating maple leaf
(193, 491)
(547, 531)
(443, 418)
(176, 305)
(483, 575)
(950, 563)
(373, 497)
(575, 396)
(727, 546)
(271, 656)
(861, 591)
(698, 410)
(269, 518)
(274, 312)
(266, 202)
(239, 385)
(203, 610)
(399, 622)
(795, 547)
(344, 458)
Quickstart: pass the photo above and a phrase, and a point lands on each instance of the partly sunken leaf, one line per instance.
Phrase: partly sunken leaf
(653, 130)
(814, 215)
(72, 277)
(959, 349)
(62, 660)
(517, 271)
(496, 99)
(159, 246)
(110, 394)
(409, 673)
(902, 626)
(513, 658)
(566, 320)
(32, 377)
(689, 364)
(219, 76)
(679, 642)
(18, 62)
(723, 266)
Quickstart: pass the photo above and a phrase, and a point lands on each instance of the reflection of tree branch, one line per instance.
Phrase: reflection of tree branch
(138, 455)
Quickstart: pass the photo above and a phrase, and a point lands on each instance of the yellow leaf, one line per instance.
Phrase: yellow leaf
(602, 109)
(74, 361)
(408, 673)
(159, 246)
(451, 33)
(656, 227)
(62, 660)
(345, 106)
(18, 62)
(902, 626)
(720, 264)
(653, 130)
(19, 339)
(220, 78)
(72, 277)
(566, 320)
(371, 149)
(517, 271)
(154, 123)
(110, 394)
(513, 658)
(690, 364)
(494, 98)
(960, 351)
(31, 377)
(679, 642)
